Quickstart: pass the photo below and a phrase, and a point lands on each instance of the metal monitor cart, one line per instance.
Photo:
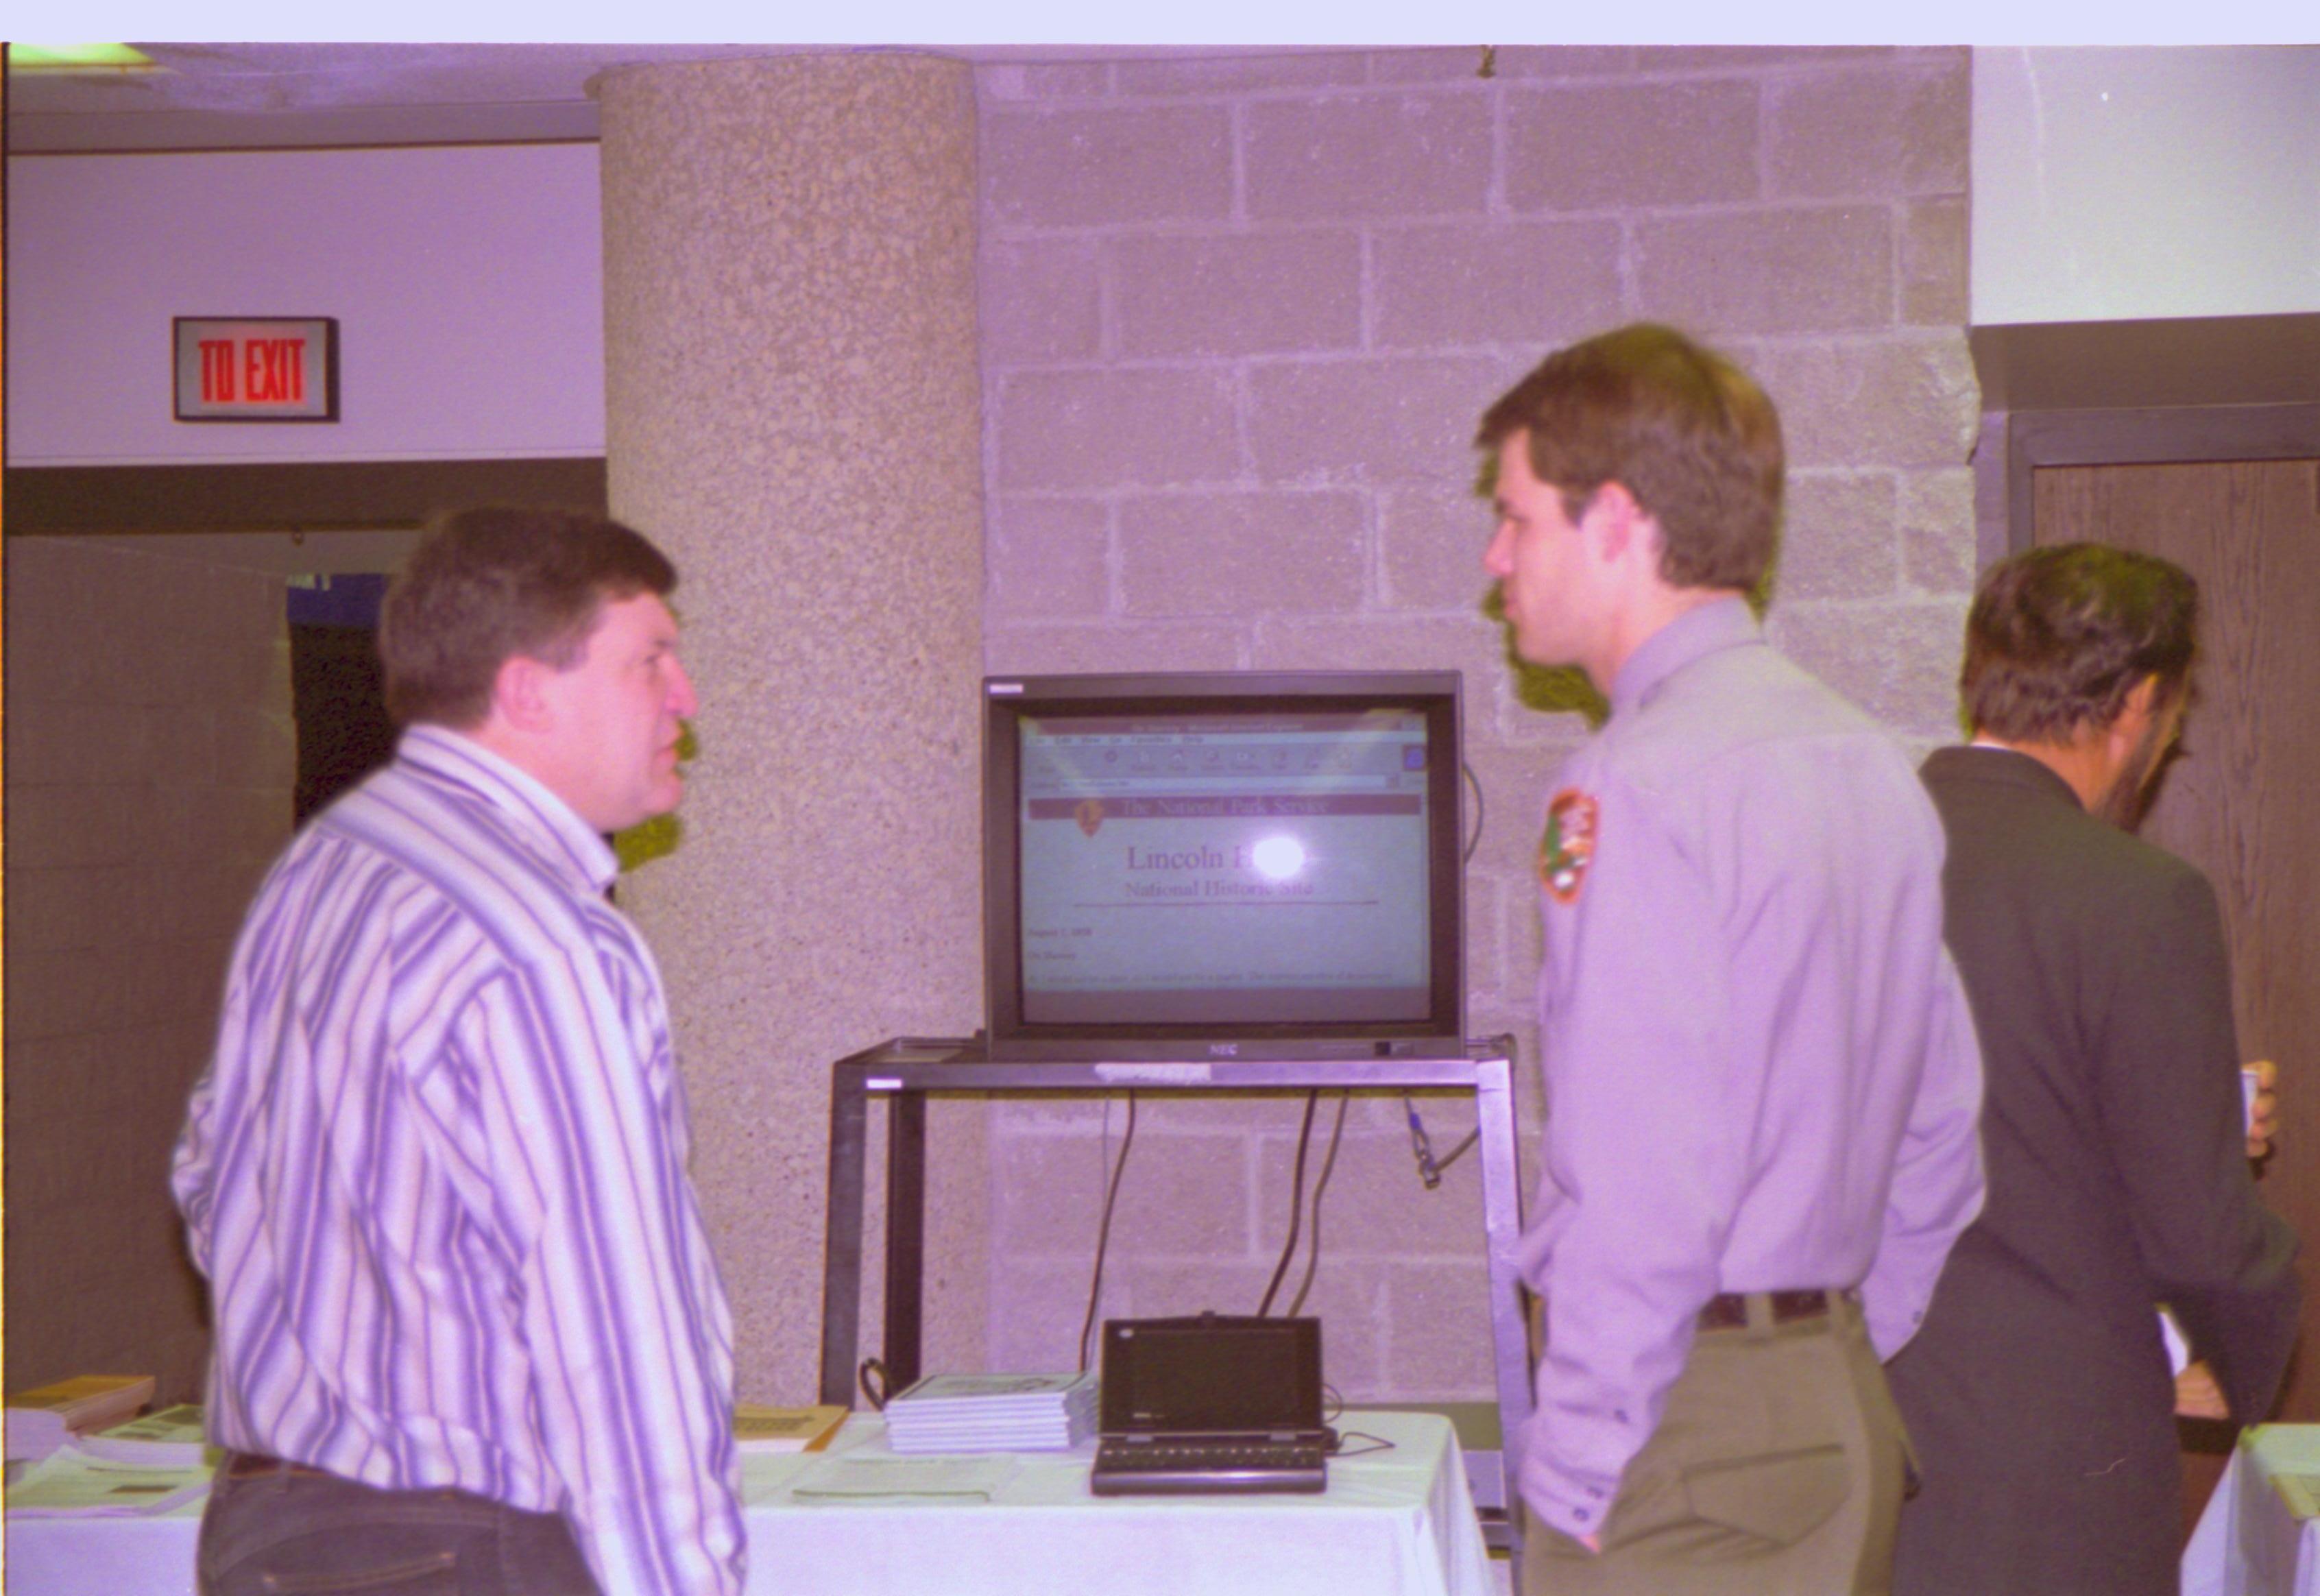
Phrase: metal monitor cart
(904, 1071)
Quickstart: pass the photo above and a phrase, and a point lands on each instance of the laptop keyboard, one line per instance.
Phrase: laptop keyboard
(1122, 1468)
(1161, 1456)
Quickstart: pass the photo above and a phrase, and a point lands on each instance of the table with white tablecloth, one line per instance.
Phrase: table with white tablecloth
(2260, 1535)
(1393, 1522)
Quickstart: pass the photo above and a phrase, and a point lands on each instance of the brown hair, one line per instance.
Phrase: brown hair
(486, 585)
(1688, 433)
(2058, 637)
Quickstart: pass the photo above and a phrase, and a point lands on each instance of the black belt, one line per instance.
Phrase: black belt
(252, 1466)
(1729, 1310)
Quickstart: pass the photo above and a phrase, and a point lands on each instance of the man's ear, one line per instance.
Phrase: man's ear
(1625, 527)
(2135, 710)
(2127, 727)
(1612, 516)
(519, 694)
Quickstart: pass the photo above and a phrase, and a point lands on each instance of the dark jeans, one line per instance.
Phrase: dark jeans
(271, 1529)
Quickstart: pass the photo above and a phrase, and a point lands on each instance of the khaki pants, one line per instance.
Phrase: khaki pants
(1777, 1470)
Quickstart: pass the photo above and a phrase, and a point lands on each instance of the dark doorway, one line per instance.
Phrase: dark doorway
(336, 694)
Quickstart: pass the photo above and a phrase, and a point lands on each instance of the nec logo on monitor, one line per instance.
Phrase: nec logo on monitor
(1224, 1049)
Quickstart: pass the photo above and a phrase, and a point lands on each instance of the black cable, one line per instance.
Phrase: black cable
(1452, 1157)
(1296, 1203)
(1476, 784)
(1320, 1184)
(1421, 1146)
(1103, 1228)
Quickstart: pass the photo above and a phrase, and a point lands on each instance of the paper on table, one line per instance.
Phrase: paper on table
(188, 1455)
(849, 1478)
(70, 1484)
(178, 1425)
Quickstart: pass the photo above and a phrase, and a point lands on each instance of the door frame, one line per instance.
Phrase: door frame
(295, 495)
(2152, 435)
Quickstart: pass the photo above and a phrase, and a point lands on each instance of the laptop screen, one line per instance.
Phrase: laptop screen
(1211, 1373)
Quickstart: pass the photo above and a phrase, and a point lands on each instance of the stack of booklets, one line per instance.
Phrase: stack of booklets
(993, 1413)
(90, 1402)
(172, 1437)
(145, 1468)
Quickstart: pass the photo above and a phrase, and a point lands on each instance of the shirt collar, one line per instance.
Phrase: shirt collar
(539, 815)
(1725, 624)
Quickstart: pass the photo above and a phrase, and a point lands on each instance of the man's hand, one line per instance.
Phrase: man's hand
(2263, 1109)
(2197, 1394)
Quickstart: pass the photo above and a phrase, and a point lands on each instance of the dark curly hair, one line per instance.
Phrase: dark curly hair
(2058, 637)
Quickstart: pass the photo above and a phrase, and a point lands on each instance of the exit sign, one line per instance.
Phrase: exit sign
(257, 368)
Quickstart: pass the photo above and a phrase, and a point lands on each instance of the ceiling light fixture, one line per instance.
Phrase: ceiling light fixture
(79, 57)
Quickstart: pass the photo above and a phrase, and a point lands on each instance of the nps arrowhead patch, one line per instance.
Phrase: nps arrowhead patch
(1569, 845)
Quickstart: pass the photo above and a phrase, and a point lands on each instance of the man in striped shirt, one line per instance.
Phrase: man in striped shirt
(468, 1327)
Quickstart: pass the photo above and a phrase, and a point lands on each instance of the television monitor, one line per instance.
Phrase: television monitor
(1223, 865)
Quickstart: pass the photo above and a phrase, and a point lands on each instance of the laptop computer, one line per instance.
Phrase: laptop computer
(1210, 1403)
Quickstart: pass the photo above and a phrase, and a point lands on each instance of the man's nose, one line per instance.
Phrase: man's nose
(1494, 559)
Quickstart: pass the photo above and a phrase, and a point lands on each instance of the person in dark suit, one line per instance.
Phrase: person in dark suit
(2038, 1394)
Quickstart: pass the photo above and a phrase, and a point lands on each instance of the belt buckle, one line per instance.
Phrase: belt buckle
(249, 1465)
(1729, 1310)
(1726, 1310)
(1788, 1306)
(259, 1465)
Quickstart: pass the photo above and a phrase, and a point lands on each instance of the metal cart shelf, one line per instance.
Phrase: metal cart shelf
(905, 1070)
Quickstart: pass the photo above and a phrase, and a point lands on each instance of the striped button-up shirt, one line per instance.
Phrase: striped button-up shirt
(437, 1176)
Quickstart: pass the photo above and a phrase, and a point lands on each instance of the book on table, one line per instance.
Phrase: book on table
(759, 1428)
(90, 1402)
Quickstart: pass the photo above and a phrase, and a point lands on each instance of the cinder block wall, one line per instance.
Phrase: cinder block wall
(1240, 318)
(151, 764)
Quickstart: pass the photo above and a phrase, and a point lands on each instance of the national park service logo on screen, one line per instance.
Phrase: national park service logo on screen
(1569, 845)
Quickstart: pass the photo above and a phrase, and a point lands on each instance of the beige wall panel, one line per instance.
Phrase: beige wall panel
(151, 762)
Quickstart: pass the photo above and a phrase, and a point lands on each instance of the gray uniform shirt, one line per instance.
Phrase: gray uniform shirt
(1761, 1071)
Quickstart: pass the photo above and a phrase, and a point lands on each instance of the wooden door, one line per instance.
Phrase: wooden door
(2243, 801)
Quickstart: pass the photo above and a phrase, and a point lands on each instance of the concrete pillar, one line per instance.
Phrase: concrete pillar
(792, 414)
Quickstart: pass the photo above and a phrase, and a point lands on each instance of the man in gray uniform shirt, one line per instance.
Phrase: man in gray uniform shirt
(1762, 1079)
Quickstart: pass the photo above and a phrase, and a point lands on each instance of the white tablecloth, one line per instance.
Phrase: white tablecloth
(2248, 1541)
(1394, 1523)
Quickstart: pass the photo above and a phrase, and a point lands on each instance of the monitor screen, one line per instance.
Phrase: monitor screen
(1223, 865)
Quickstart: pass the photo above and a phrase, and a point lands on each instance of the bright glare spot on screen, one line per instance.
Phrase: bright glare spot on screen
(1279, 858)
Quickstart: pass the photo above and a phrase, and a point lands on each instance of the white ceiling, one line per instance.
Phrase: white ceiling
(230, 96)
